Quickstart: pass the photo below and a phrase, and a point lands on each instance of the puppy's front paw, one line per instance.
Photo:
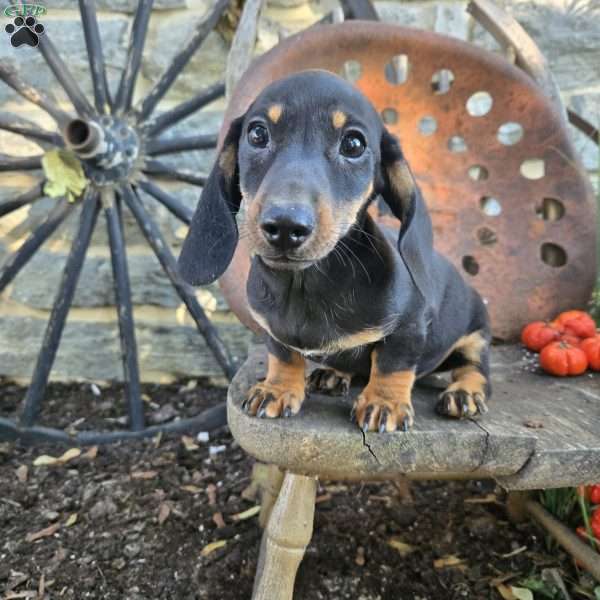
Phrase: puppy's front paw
(460, 402)
(273, 400)
(374, 411)
(329, 381)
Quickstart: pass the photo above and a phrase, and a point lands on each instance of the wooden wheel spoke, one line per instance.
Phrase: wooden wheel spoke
(183, 110)
(28, 197)
(28, 129)
(134, 56)
(181, 144)
(9, 75)
(182, 212)
(60, 309)
(64, 77)
(102, 99)
(33, 242)
(17, 163)
(118, 254)
(185, 292)
(182, 58)
(159, 169)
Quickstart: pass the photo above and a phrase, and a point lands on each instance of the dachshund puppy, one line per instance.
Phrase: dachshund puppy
(326, 283)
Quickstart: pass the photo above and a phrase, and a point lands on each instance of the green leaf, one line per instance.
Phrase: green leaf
(64, 174)
(540, 587)
(521, 593)
(597, 593)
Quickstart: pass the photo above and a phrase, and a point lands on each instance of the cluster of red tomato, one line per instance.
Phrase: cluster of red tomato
(592, 495)
(567, 346)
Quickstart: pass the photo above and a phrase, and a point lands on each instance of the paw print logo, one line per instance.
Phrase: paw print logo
(24, 31)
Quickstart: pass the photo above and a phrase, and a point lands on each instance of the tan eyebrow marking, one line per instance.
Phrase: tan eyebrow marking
(338, 118)
(274, 112)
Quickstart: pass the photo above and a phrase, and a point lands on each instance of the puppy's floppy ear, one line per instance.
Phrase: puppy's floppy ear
(213, 234)
(401, 193)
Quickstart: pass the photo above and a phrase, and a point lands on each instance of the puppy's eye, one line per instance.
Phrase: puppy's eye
(353, 144)
(258, 136)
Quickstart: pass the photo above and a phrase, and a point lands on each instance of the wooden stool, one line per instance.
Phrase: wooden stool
(539, 433)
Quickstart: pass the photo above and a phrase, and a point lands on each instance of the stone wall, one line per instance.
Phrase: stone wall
(169, 346)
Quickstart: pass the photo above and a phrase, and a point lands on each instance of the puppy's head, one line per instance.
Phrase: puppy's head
(306, 159)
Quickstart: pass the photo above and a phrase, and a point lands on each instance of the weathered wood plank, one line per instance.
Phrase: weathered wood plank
(540, 432)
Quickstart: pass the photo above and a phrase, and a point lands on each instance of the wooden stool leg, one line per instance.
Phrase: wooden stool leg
(269, 490)
(285, 539)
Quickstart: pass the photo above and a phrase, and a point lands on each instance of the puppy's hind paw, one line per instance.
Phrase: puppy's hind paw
(461, 404)
(329, 381)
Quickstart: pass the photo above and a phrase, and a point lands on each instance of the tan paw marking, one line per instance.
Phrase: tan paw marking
(329, 381)
(273, 400)
(378, 412)
(465, 397)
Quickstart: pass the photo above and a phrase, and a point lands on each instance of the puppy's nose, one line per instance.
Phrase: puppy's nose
(287, 226)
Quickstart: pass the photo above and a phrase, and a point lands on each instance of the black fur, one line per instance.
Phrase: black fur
(405, 288)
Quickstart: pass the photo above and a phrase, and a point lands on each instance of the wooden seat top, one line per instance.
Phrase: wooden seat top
(540, 431)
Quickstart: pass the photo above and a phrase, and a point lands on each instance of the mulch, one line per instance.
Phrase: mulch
(175, 517)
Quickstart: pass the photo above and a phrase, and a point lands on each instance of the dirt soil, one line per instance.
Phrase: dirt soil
(140, 520)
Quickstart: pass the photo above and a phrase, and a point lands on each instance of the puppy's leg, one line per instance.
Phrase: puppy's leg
(329, 381)
(385, 403)
(282, 391)
(470, 388)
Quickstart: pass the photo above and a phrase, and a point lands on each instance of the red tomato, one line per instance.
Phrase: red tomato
(561, 359)
(539, 334)
(591, 347)
(576, 322)
(595, 523)
(595, 494)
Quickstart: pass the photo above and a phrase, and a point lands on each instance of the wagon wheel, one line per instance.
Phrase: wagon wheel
(117, 149)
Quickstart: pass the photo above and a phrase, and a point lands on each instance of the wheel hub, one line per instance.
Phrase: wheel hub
(108, 147)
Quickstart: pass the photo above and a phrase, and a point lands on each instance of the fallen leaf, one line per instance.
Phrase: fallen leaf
(22, 473)
(323, 498)
(192, 489)
(218, 520)
(70, 454)
(211, 491)
(47, 532)
(360, 556)
(164, 510)
(91, 454)
(189, 443)
(533, 424)
(42, 586)
(448, 561)
(46, 460)
(23, 594)
(505, 592)
(521, 593)
(401, 547)
(247, 514)
(487, 499)
(71, 520)
(514, 552)
(209, 548)
(143, 474)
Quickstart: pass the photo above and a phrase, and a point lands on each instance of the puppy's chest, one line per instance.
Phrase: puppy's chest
(314, 325)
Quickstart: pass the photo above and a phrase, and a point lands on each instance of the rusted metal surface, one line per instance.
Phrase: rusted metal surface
(506, 233)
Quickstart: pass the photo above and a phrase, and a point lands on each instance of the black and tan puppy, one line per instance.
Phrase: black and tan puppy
(326, 283)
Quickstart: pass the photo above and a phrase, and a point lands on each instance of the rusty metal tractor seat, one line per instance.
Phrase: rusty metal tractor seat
(512, 208)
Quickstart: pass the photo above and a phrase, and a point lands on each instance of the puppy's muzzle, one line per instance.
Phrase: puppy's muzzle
(286, 227)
